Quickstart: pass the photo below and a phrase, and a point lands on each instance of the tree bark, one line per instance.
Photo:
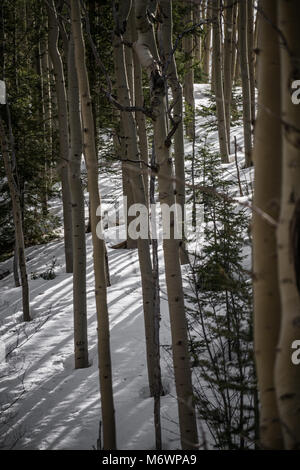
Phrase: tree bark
(188, 83)
(183, 380)
(139, 116)
(245, 75)
(126, 175)
(138, 192)
(207, 42)
(266, 156)
(251, 57)
(171, 71)
(287, 374)
(228, 46)
(218, 81)
(155, 262)
(78, 219)
(63, 131)
(105, 372)
(17, 217)
(234, 41)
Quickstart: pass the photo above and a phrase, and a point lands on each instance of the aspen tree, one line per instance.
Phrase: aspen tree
(61, 95)
(197, 13)
(181, 361)
(234, 41)
(105, 371)
(138, 191)
(218, 81)
(126, 174)
(18, 221)
(128, 37)
(171, 71)
(245, 75)
(228, 46)
(287, 373)
(78, 206)
(207, 42)
(266, 155)
(188, 83)
(251, 57)
(48, 108)
(139, 102)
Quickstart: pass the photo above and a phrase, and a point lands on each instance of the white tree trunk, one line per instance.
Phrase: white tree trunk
(78, 219)
(181, 360)
(63, 131)
(267, 156)
(287, 374)
(105, 372)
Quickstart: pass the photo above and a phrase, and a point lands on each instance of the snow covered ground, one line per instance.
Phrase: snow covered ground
(44, 402)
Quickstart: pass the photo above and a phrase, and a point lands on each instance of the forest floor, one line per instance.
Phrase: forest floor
(44, 402)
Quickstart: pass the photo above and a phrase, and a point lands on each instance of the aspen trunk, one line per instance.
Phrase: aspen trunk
(128, 37)
(126, 176)
(78, 229)
(237, 64)
(183, 380)
(218, 81)
(168, 58)
(15, 265)
(207, 42)
(234, 41)
(139, 116)
(105, 372)
(287, 374)
(266, 156)
(63, 131)
(48, 110)
(228, 46)
(251, 58)
(188, 84)
(18, 224)
(244, 63)
(197, 13)
(138, 191)
(155, 263)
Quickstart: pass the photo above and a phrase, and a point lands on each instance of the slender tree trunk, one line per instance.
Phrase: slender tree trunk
(17, 217)
(183, 380)
(15, 266)
(251, 57)
(138, 191)
(171, 70)
(197, 14)
(188, 84)
(126, 176)
(266, 156)
(155, 262)
(234, 41)
(228, 46)
(128, 37)
(139, 116)
(63, 131)
(48, 114)
(244, 62)
(78, 229)
(207, 42)
(105, 372)
(218, 81)
(287, 374)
